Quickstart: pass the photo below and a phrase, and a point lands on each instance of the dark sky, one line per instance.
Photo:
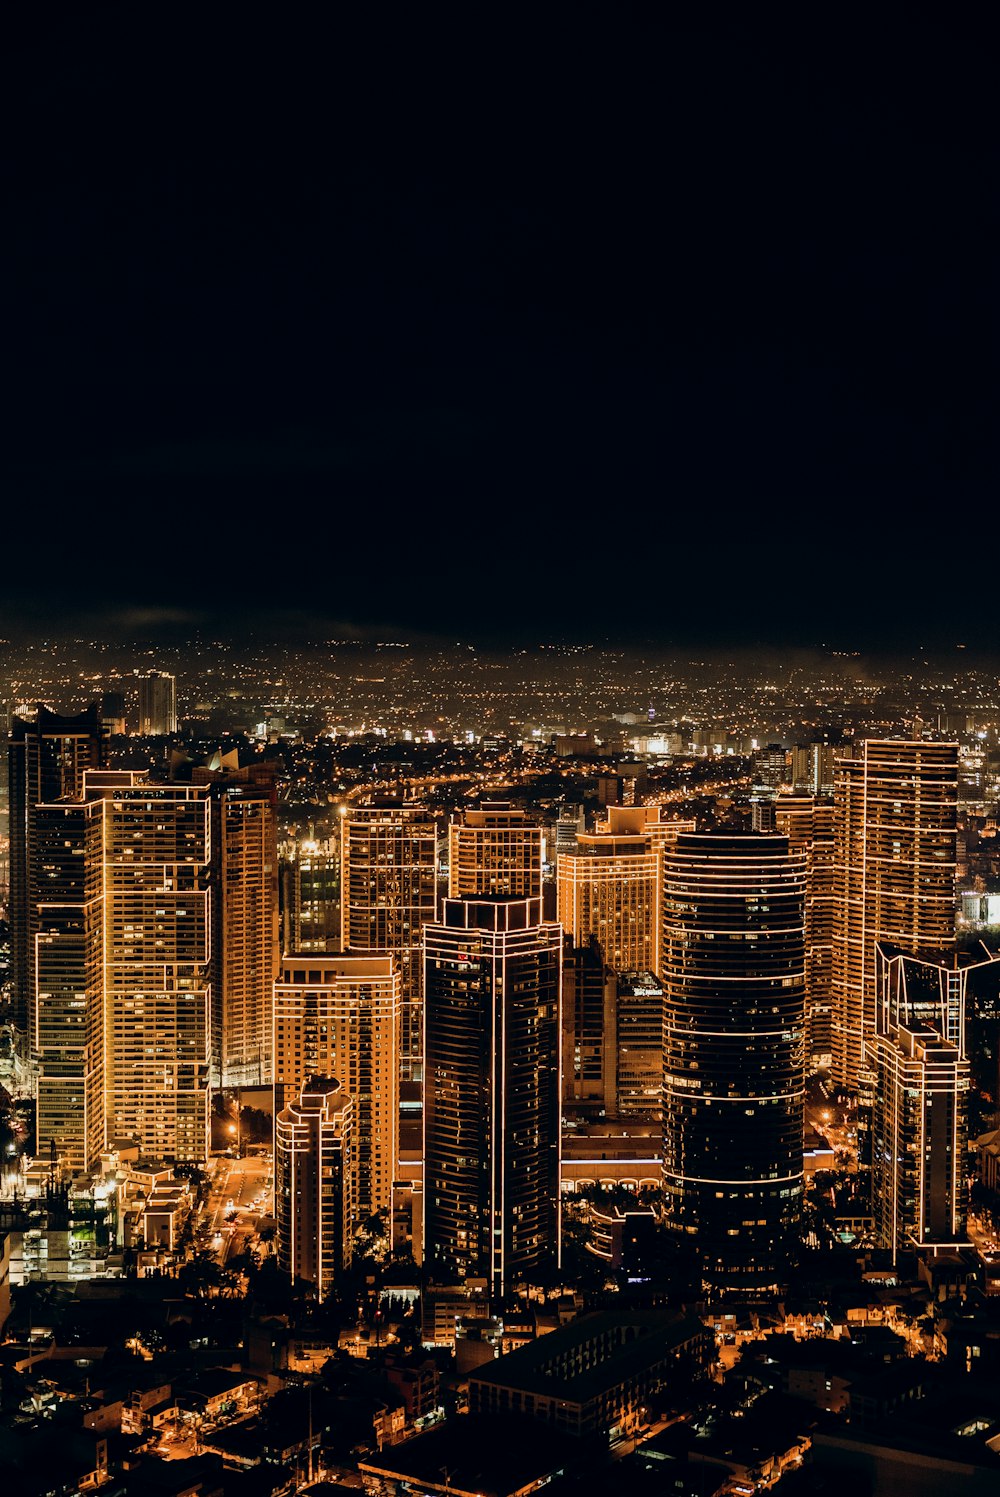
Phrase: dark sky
(501, 321)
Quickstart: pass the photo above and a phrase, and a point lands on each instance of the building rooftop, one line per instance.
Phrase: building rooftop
(477, 1455)
(640, 1341)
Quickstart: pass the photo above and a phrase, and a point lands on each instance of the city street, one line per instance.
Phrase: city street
(238, 1185)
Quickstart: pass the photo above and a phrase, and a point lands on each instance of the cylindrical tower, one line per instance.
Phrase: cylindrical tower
(313, 1177)
(734, 1053)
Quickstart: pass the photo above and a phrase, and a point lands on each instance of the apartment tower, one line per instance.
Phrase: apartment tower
(388, 893)
(894, 858)
(339, 1016)
(494, 850)
(313, 1180)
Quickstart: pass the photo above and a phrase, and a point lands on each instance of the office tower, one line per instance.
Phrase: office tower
(920, 1099)
(770, 767)
(492, 972)
(47, 758)
(388, 867)
(310, 904)
(494, 850)
(313, 1174)
(245, 945)
(610, 888)
(734, 1053)
(157, 705)
(589, 1024)
(339, 1016)
(157, 962)
(67, 1033)
(895, 818)
(807, 822)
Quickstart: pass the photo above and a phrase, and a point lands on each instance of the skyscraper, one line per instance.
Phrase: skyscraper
(734, 1053)
(245, 946)
(492, 1092)
(313, 1180)
(807, 822)
(157, 962)
(589, 1026)
(339, 1016)
(388, 892)
(157, 705)
(610, 888)
(47, 758)
(895, 851)
(310, 889)
(494, 850)
(67, 1002)
(920, 1120)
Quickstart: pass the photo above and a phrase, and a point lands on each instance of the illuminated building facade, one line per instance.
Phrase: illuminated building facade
(610, 889)
(919, 1122)
(157, 705)
(157, 962)
(339, 1016)
(734, 1054)
(589, 1007)
(310, 914)
(492, 972)
(47, 758)
(807, 822)
(67, 1034)
(639, 999)
(245, 946)
(494, 850)
(313, 1175)
(388, 893)
(895, 852)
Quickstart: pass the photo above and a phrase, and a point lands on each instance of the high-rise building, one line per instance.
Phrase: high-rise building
(610, 888)
(313, 1179)
(612, 1050)
(494, 850)
(813, 768)
(339, 1016)
(770, 767)
(157, 962)
(67, 1004)
(639, 1000)
(589, 1024)
(492, 972)
(47, 758)
(920, 1118)
(895, 830)
(157, 705)
(388, 869)
(807, 822)
(245, 945)
(310, 902)
(734, 1054)
(113, 711)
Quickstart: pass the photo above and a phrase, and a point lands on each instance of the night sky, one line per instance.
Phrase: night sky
(501, 322)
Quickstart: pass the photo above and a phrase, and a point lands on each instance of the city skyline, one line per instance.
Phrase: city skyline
(500, 831)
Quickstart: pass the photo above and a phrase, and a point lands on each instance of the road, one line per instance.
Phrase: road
(240, 1186)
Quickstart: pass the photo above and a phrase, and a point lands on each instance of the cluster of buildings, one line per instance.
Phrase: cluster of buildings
(686, 977)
